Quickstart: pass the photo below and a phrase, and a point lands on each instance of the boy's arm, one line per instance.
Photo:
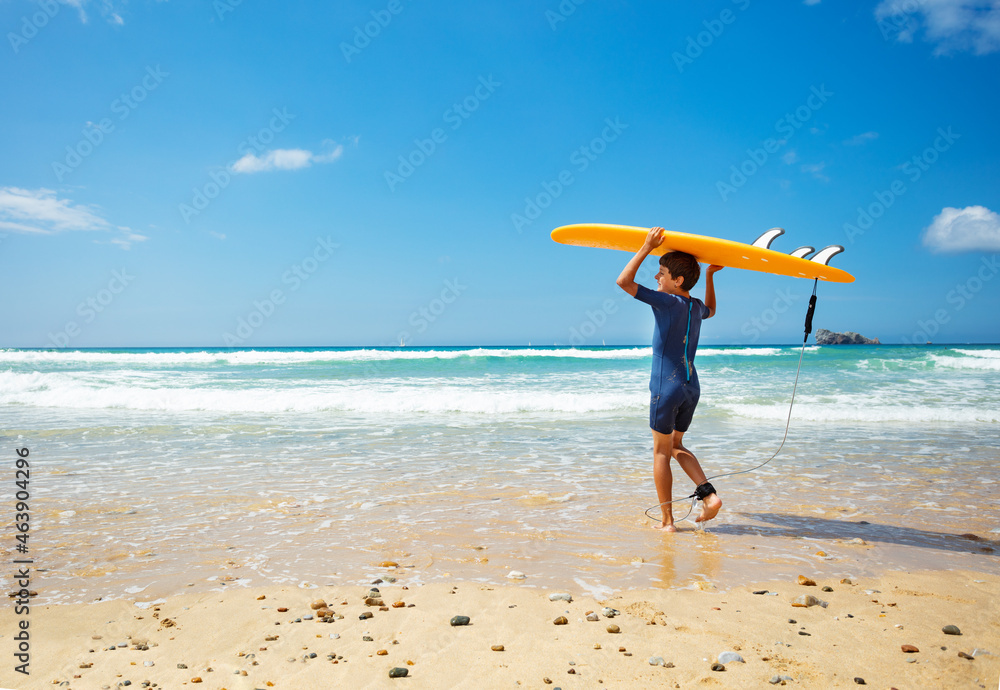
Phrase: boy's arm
(710, 288)
(626, 281)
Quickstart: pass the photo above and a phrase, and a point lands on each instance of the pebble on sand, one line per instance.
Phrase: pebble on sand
(909, 649)
(963, 655)
(388, 564)
(460, 620)
(803, 580)
(497, 648)
(807, 600)
(561, 620)
(398, 672)
(560, 597)
(515, 575)
(614, 629)
(859, 680)
(718, 667)
(951, 630)
(730, 658)
(317, 605)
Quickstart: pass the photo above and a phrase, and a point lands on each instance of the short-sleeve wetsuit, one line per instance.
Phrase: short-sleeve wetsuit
(673, 385)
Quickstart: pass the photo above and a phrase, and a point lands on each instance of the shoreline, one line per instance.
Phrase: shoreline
(859, 634)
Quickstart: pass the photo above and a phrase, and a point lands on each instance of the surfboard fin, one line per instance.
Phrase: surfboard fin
(824, 255)
(765, 240)
(802, 252)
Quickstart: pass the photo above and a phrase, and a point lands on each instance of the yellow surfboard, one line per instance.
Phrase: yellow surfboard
(711, 250)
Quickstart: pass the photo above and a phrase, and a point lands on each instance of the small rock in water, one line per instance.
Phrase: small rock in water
(821, 554)
(730, 658)
(951, 630)
(857, 540)
(656, 661)
(803, 580)
(561, 620)
(515, 575)
(909, 649)
(718, 667)
(460, 620)
(388, 564)
(398, 672)
(614, 629)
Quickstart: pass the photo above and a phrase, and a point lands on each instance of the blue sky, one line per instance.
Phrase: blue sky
(356, 173)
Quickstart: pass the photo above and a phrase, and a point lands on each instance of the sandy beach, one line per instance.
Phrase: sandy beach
(247, 638)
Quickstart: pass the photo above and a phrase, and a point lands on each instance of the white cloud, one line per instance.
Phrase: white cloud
(286, 159)
(953, 25)
(790, 157)
(862, 138)
(816, 170)
(40, 211)
(970, 229)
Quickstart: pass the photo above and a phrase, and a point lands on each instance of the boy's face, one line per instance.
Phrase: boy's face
(667, 283)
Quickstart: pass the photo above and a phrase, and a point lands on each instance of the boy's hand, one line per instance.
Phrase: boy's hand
(653, 239)
(714, 268)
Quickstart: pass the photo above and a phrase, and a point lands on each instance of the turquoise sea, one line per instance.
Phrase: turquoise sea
(153, 469)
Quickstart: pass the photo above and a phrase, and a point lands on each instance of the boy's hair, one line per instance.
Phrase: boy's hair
(682, 265)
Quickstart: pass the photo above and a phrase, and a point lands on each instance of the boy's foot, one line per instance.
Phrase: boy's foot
(711, 505)
(665, 526)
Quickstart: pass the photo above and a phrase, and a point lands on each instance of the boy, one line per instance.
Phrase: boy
(673, 386)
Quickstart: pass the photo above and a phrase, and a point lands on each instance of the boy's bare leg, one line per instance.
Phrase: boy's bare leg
(662, 478)
(711, 504)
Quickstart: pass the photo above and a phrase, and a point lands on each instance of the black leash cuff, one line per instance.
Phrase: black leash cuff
(704, 490)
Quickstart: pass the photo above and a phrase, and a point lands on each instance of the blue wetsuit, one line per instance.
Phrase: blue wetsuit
(673, 385)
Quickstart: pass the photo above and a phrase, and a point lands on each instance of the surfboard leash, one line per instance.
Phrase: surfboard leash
(788, 421)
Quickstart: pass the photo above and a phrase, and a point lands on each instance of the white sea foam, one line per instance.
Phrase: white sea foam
(254, 357)
(840, 412)
(67, 391)
(988, 354)
(973, 362)
(742, 351)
